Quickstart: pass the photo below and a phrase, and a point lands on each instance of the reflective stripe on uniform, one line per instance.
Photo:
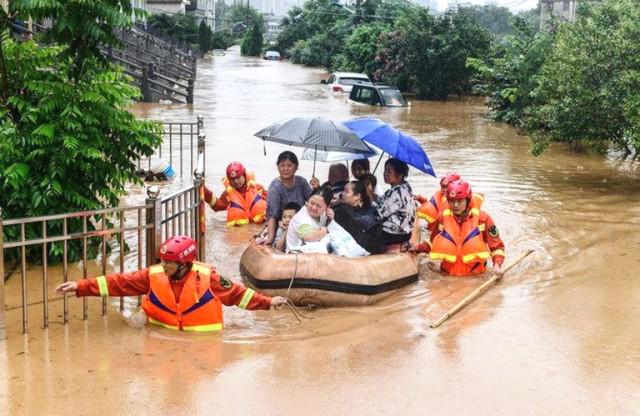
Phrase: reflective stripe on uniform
(442, 256)
(482, 227)
(447, 213)
(200, 268)
(426, 217)
(248, 295)
(203, 328)
(156, 269)
(470, 257)
(153, 321)
(102, 285)
(497, 252)
(474, 211)
(237, 222)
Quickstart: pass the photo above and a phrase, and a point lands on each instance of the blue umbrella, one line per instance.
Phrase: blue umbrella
(392, 141)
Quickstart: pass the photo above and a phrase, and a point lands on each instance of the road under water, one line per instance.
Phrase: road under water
(559, 335)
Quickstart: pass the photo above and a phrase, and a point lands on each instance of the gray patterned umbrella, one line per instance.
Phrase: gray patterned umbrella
(314, 133)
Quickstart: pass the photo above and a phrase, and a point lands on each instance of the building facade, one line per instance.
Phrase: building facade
(203, 10)
(166, 6)
(565, 10)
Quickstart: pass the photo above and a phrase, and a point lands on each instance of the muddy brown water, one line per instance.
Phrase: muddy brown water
(560, 335)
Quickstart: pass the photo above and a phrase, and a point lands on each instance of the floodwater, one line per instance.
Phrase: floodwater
(560, 335)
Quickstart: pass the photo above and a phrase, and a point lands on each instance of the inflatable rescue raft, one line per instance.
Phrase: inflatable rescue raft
(326, 279)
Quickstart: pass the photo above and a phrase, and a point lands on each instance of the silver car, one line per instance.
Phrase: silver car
(343, 81)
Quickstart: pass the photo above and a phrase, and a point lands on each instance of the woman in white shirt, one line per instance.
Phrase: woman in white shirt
(310, 223)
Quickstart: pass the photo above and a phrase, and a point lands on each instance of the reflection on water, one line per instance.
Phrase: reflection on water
(558, 335)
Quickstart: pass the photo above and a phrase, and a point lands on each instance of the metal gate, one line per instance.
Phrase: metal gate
(127, 235)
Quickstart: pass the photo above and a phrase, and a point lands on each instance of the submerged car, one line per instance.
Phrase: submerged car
(218, 52)
(272, 56)
(344, 81)
(377, 94)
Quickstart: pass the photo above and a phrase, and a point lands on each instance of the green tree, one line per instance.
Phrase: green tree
(361, 49)
(240, 18)
(319, 19)
(589, 89)
(428, 53)
(253, 40)
(496, 20)
(205, 37)
(181, 28)
(221, 40)
(531, 18)
(509, 74)
(67, 139)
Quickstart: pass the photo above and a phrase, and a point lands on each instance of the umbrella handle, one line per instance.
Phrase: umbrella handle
(376, 168)
(315, 156)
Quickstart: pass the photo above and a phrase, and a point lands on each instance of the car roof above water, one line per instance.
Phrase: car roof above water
(350, 75)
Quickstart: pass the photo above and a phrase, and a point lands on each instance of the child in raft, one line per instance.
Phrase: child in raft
(290, 209)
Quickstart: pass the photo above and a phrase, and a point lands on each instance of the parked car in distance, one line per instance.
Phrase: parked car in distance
(377, 94)
(272, 56)
(218, 52)
(343, 81)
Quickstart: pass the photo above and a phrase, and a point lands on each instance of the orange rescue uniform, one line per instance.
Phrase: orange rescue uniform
(192, 303)
(464, 245)
(431, 208)
(244, 205)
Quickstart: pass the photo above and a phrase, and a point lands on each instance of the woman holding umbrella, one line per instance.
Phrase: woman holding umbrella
(287, 187)
(396, 207)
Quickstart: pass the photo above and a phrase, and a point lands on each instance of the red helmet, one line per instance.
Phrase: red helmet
(235, 170)
(181, 249)
(458, 190)
(448, 178)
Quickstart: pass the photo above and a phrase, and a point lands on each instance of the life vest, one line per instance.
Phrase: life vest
(430, 209)
(197, 310)
(460, 246)
(244, 209)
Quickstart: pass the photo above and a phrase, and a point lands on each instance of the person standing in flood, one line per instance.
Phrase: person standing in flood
(181, 293)
(244, 199)
(464, 237)
(288, 187)
(431, 208)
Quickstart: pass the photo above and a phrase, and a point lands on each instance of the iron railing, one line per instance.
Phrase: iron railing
(179, 141)
(133, 234)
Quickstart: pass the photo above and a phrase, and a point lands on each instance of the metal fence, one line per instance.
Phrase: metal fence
(179, 146)
(128, 235)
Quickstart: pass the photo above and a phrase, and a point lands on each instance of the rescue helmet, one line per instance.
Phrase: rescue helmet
(458, 190)
(235, 170)
(181, 249)
(448, 178)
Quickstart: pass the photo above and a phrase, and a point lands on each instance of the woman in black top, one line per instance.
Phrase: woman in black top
(356, 215)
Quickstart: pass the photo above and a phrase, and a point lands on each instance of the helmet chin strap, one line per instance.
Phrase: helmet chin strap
(181, 271)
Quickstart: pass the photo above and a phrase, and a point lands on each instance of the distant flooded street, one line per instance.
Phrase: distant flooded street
(560, 335)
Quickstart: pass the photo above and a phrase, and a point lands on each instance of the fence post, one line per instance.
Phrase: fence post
(201, 139)
(199, 186)
(154, 218)
(144, 85)
(190, 92)
(200, 123)
(198, 183)
(3, 327)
